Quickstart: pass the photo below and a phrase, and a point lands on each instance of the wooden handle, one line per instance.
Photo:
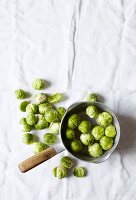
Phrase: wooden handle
(36, 159)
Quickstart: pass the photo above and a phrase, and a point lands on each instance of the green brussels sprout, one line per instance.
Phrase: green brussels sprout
(79, 172)
(51, 115)
(20, 94)
(49, 138)
(92, 97)
(41, 123)
(38, 147)
(104, 119)
(32, 108)
(55, 98)
(23, 121)
(61, 112)
(110, 131)
(23, 105)
(26, 128)
(40, 98)
(92, 111)
(54, 127)
(59, 172)
(95, 150)
(73, 121)
(66, 162)
(106, 142)
(27, 138)
(84, 127)
(38, 84)
(98, 132)
(44, 107)
(70, 134)
(31, 119)
(76, 145)
(87, 139)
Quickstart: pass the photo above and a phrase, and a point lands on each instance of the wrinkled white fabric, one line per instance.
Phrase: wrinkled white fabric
(78, 46)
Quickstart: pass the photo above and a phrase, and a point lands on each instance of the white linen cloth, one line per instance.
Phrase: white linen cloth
(79, 46)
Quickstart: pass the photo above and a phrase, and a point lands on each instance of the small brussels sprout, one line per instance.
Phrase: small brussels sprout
(106, 142)
(40, 98)
(104, 119)
(110, 131)
(98, 132)
(87, 139)
(59, 172)
(23, 105)
(92, 97)
(54, 127)
(27, 138)
(32, 108)
(49, 138)
(20, 94)
(92, 111)
(31, 119)
(61, 112)
(26, 128)
(38, 147)
(44, 107)
(38, 84)
(79, 172)
(55, 98)
(84, 127)
(95, 150)
(51, 115)
(66, 162)
(41, 123)
(76, 145)
(73, 121)
(23, 121)
(70, 134)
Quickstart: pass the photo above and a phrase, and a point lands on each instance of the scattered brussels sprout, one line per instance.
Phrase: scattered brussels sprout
(23, 105)
(70, 134)
(27, 138)
(23, 121)
(32, 108)
(40, 98)
(95, 150)
(76, 145)
(55, 98)
(87, 139)
(106, 142)
(51, 115)
(26, 128)
(54, 127)
(44, 107)
(92, 111)
(38, 84)
(31, 119)
(104, 119)
(79, 172)
(41, 123)
(98, 132)
(73, 121)
(38, 147)
(92, 97)
(84, 127)
(61, 112)
(20, 94)
(49, 138)
(110, 131)
(59, 172)
(66, 162)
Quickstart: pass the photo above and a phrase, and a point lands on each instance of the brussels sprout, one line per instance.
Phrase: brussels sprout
(31, 119)
(76, 145)
(73, 121)
(38, 147)
(87, 139)
(98, 132)
(70, 134)
(95, 150)
(26, 128)
(66, 162)
(84, 127)
(40, 98)
(41, 123)
(59, 172)
(55, 98)
(27, 138)
(20, 94)
(92, 111)
(38, 84)
(32, 108)
(79, 172)
(54, 127)
(51, 115)
(61, 112)
(92, 97)
(104, 119)
(49, 138)
(23, 121)
(44, 107)
(106, 142)
(110, 131)
(23, 105)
